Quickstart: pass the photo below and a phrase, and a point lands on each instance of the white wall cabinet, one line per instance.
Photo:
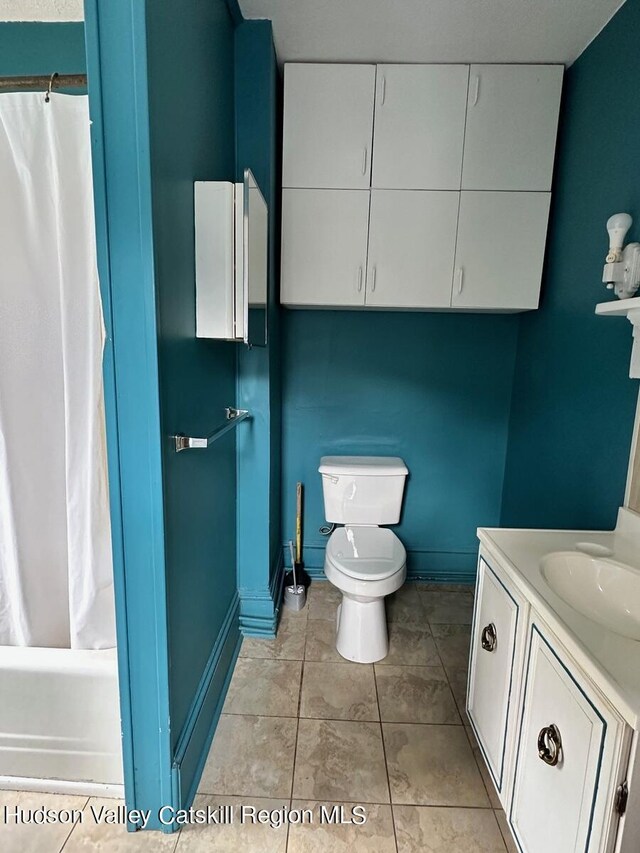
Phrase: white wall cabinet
(411, 248)
(326, 252)
(500, 250)
(328, 125)
(422, 156)
(419, 126)
(510, 135)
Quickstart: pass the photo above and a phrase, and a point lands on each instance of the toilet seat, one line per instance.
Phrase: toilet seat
(366, 553)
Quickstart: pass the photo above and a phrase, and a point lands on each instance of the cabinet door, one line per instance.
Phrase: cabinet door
(565, 779)
(411, 248)
(491, 690)
(512, 119)
(419, 126)
(324, 247)
(328, 125)
(500, 250)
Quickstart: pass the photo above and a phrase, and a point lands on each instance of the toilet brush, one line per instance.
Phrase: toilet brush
(295, 595)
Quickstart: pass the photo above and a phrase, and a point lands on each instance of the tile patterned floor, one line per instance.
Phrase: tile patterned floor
(302, 728)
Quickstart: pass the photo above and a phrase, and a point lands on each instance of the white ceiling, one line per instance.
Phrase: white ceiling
(432, 30)
(41, 10)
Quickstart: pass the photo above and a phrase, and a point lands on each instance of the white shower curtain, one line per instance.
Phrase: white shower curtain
(56, 585)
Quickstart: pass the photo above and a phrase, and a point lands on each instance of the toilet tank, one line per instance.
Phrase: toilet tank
(362, 489)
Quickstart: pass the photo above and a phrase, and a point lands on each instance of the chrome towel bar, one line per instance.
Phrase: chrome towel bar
(186, 442)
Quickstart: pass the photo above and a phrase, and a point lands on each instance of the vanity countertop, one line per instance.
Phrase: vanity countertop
(610, 660)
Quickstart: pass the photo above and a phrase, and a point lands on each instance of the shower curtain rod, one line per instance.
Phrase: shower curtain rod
(44, 82)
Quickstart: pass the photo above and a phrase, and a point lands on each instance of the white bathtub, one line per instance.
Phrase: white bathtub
(60, 721)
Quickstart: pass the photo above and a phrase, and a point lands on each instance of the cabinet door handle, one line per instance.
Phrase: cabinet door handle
(460, 279)
(383, 92)
(373, 279)
(476, 89)
(359, 279)
(550, 745)
(365, 160)
(489, 637)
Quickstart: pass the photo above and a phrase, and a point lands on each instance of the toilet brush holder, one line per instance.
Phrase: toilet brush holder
(295, 597)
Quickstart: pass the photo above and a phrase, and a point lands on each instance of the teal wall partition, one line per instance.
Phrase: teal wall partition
(116, 42)
(260, 566)
(573, 403)
(162, 98)
(190, 55)
(434, 389)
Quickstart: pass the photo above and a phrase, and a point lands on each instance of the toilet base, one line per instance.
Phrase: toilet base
(362, 629)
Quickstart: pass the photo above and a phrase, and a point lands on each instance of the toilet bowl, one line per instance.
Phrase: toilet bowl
(364, 561)
(366, 564)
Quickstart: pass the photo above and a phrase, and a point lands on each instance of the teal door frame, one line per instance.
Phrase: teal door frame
(115, 36)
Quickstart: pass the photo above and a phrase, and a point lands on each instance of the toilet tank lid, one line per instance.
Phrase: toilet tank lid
(363, 466)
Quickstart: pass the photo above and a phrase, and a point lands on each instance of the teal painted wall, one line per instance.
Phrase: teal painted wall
(573, 403)
(32, 48)
(259, 386)
(434, 389)
(192, 133)
(160, 125)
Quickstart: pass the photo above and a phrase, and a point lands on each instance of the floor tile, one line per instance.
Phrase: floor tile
(251, 756)
(432, 766)
(324, 599)
(340, 761)
(458, 681)
(321, 641)
(322, 837)
(294, 617)
(449, 608)
(405, 606)
(30, 837)
(509, 843)
(422, 829)
(410, 645)
(338, 691)
(94, 834)
(415, 694)
(424, 586)
(494, 799)
(288, 644)
(453, 642)
(242, 835)
(267, 688)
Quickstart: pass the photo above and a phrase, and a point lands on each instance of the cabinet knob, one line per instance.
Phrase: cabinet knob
(550, 745)
(489, 637)
(359, 279)
(365, 160)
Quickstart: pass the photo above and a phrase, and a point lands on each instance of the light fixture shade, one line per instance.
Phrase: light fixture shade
(617, 226)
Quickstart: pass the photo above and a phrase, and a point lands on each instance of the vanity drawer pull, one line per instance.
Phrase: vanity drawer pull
(549, 745)
(489, 637)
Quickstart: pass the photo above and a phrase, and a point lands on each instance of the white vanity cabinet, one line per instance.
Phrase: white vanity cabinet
(556, 748)
(499, 631)
(572, 751)
(419, 126)
(328, 125)
(510, 135)
(484, 133)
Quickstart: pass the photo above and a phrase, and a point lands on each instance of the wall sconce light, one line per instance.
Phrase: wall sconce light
(622, 265)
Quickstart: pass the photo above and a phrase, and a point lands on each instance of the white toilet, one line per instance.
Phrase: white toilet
(364, 561)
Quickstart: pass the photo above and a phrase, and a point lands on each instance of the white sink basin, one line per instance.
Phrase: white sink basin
(601, 589)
